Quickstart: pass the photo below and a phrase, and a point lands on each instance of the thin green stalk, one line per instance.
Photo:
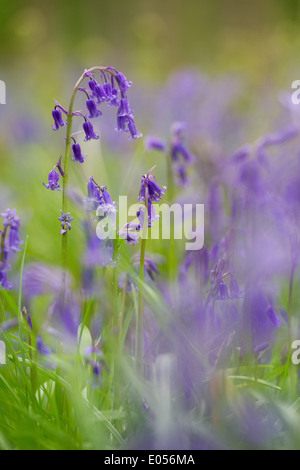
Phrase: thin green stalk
(140, 342)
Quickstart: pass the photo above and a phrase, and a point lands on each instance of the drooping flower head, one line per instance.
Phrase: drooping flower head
(92, 109)
(58, 120)
(89, 131)
(77, 154)
(123, 83)
(155, 192)
(53, 179)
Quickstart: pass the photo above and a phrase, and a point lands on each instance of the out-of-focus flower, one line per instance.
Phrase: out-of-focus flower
(154, 143)
(9, 242)
(41, 347)
(41, 279)
(94, 197)
(222, 291)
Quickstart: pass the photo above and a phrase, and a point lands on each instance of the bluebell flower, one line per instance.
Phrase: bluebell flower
(58, 120)
(124, 113)
(92, 84)
(123, 83)
(107, 90)
(14, 241)
(89, 131)
(222, 292)
(100, 93)
(114, 101)
(92, 109)
(155, 192)
(65, 220)
(134, 134)
(53, 179)
(125, 121)
(78, 156)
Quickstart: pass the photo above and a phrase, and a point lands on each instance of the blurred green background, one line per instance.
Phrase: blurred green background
(46, 45)
(148, 37)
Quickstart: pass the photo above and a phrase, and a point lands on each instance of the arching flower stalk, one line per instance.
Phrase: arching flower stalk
(112, 89)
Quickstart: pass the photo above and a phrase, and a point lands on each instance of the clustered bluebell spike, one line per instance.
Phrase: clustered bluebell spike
(9, 242)
(112, 89)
